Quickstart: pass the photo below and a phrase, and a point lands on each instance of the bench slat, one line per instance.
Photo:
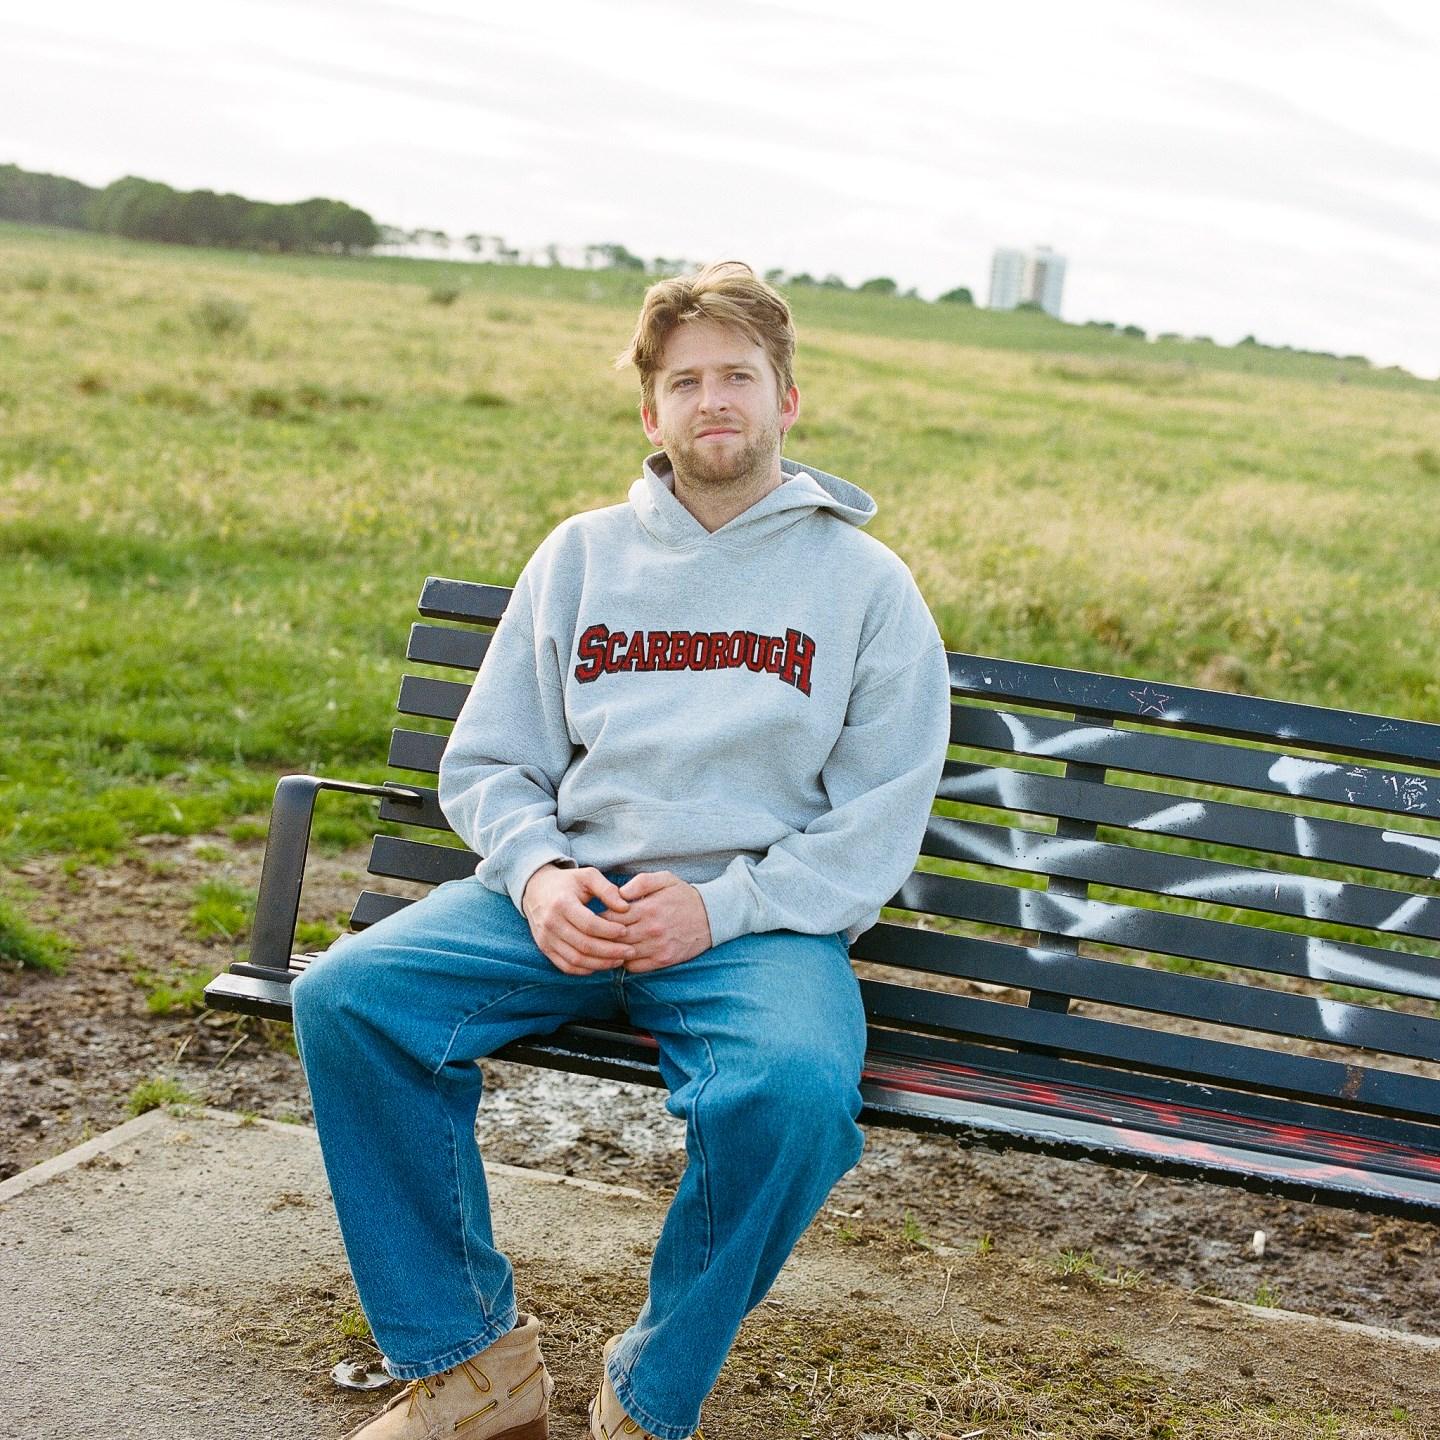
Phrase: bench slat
(1299, 1077)
(427, 815)
(1339, 842)
(372, 906)
(1221, 942)
(400, 859)
(437, 699)
(1121, 697)
(1165, 873)
(1108, 982)
(1201, 761)
(445, 645)
(442, 599)
(1167, 1102)
(417, 750)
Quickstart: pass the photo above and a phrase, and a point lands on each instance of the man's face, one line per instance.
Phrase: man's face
(718, 411)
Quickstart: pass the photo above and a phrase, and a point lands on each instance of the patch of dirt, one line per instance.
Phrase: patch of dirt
(929, 1349)
(73, 1047)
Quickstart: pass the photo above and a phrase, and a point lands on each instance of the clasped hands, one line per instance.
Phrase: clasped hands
(652, 921)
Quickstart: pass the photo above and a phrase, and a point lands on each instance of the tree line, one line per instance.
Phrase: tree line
(151, 210)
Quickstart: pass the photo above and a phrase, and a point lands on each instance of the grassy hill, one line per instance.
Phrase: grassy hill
(223, 477)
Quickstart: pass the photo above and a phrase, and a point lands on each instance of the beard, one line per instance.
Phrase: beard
(732, 467)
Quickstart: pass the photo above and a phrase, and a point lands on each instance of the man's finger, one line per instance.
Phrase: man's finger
(577, 960)
(595, 882)
(583, 918)
(589, 945)
(646, 883)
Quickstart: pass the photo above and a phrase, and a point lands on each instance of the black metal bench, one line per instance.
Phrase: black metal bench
(1204, 968)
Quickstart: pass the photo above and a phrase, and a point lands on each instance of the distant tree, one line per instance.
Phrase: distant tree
(34, 198)
(1102, 324)
(552, 256)
(1033, 306)
(1133, 331)
(880, 285)
(1170, 335)
(775, 276)
(617, 257)
(833, 282)
(911, 294)
(1248, 340)
(803, 278)
(960, 295)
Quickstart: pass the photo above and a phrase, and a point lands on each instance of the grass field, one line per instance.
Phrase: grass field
(224, 476)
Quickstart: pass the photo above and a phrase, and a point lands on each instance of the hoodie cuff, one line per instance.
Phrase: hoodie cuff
(527, 863)
(727, 906)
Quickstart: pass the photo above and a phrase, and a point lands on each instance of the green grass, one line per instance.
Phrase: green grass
(213, 530)
(157, 1091)
(222, 910)
(179, 993)
(24, 946)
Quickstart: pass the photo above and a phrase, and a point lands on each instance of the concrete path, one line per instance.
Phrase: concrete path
(122, 1261)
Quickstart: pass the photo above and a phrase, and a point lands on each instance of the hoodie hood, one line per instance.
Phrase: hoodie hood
(803, 491)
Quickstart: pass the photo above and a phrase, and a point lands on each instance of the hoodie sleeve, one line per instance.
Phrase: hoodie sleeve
(507, 753)
(880, 778)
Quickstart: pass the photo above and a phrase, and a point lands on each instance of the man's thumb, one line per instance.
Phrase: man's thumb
(643, 884)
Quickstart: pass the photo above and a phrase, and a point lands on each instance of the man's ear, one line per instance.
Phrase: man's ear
(789, 409)
(650, 424)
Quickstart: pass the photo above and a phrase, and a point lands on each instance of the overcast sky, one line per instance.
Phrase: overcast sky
(1219, 167)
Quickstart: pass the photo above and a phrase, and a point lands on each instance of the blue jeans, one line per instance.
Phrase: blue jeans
(761, 1042)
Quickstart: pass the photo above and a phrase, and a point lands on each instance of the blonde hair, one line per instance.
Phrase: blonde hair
(727, 292)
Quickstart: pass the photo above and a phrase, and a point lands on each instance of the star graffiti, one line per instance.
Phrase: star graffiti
(1150, 700)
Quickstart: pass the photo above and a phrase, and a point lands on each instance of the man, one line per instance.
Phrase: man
(698, 758)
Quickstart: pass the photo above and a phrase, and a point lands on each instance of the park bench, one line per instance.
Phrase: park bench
(1167, 928)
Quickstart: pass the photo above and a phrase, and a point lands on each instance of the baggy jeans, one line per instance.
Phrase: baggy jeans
(761, 1042)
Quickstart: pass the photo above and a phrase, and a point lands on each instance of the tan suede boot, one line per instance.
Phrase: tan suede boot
(608, 1420)
(503, 1393)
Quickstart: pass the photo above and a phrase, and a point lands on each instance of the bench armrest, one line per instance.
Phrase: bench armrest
(282, 872)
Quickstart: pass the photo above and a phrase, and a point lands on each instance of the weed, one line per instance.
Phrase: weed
(265, 402)
(353, 1325)
(220, 318)
(912, 1233)
(24, 946)
(36, 280)
(246, 832)
(313, 935)
(485, 400)
(222, 910)
(1266, 1295)
(443, 294)
(92, 382)
(248, 1118)
(157, 1091)
(208, 852)
(985, 1244)
(178, 994)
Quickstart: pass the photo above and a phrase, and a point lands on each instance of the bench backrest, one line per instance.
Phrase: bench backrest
(1278, 886)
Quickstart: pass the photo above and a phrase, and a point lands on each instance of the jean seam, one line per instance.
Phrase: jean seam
(475, 1015)
(694, 1110)
(456, 1198)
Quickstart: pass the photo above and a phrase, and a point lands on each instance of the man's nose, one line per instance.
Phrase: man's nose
(712, 395)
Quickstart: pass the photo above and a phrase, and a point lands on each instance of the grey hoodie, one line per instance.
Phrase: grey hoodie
(762, 710)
